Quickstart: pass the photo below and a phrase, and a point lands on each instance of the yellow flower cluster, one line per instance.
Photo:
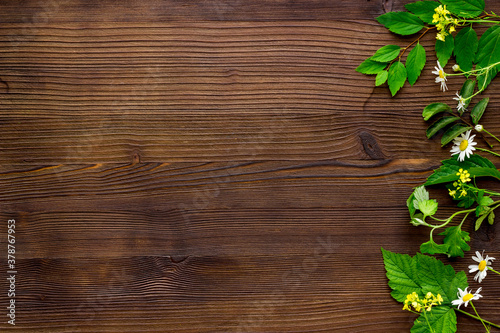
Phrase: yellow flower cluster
(459, 184)
(413, 300)
(445, 24)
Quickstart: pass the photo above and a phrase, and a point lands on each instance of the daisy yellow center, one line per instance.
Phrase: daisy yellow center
(482, 265)
(441, 74)
(467, 297)
(463, 145)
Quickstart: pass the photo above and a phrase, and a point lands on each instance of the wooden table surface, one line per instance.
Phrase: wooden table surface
(212, 166)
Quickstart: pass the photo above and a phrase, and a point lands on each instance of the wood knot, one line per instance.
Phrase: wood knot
(136, 158)
(4, 87)
(370, 146)
(387, 5)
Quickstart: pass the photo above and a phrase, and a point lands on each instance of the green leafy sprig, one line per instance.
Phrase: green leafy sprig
(444, 16)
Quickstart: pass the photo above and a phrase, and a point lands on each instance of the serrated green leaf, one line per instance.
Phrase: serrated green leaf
(428, 207)
(453, 132)
(423, 9)
(456, 239)
(485, 201)
(415, 63)
(465, 8)
(371, 67)
(420, 194)
(435, 108)
(435, 276)
(432, 247)
(441, 319)
(477, 166)
(397, 77)
(444, 50)
(465, 47)
(478, 110)
(386, 53)
(439, 125)
(401, 23)
(401, 270)
(381, 78)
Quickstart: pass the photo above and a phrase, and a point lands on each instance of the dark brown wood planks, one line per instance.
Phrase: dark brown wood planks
(211, 166)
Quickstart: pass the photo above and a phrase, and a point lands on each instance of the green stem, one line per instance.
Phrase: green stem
(494, 137)
(477, 314)
(488, 151)
(475, 70)
(448, 220)
(427, 320)
(463, 220)
(478, 318)
(491, 269)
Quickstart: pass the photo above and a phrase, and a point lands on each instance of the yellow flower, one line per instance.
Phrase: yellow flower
(418, 304)
(464, 175)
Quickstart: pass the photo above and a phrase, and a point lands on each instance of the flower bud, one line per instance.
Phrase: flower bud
(478, 127)
(456, 68)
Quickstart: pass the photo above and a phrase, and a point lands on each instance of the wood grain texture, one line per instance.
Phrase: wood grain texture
(212, 166)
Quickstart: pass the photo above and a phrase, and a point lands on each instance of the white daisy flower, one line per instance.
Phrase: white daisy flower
(464, 297)
(441, 76)
(463, 145)
(482, 267)
(461, 102)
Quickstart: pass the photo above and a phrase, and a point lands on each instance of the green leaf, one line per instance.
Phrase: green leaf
(435, 108)
(491, 217)
(456, 239)
(453, 132)
(428, 207)
(465, 8)
(410, 204)
(415, 63)
(478, 110)
(439, 125)
(485, 201)
(467, 91)
(435, 276)
(465, 47)
(420, 194)
(489, 47)
(397, 77)
(466, 202)
(401, 270)
(386, 53)
(401, 23)
(480, 220)
(477, 166)
(488, 54)
(423, 9)
(381, 78)
(371, 67)
(441, 319)
(444, 50)
(484, 79)
(432, 247)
